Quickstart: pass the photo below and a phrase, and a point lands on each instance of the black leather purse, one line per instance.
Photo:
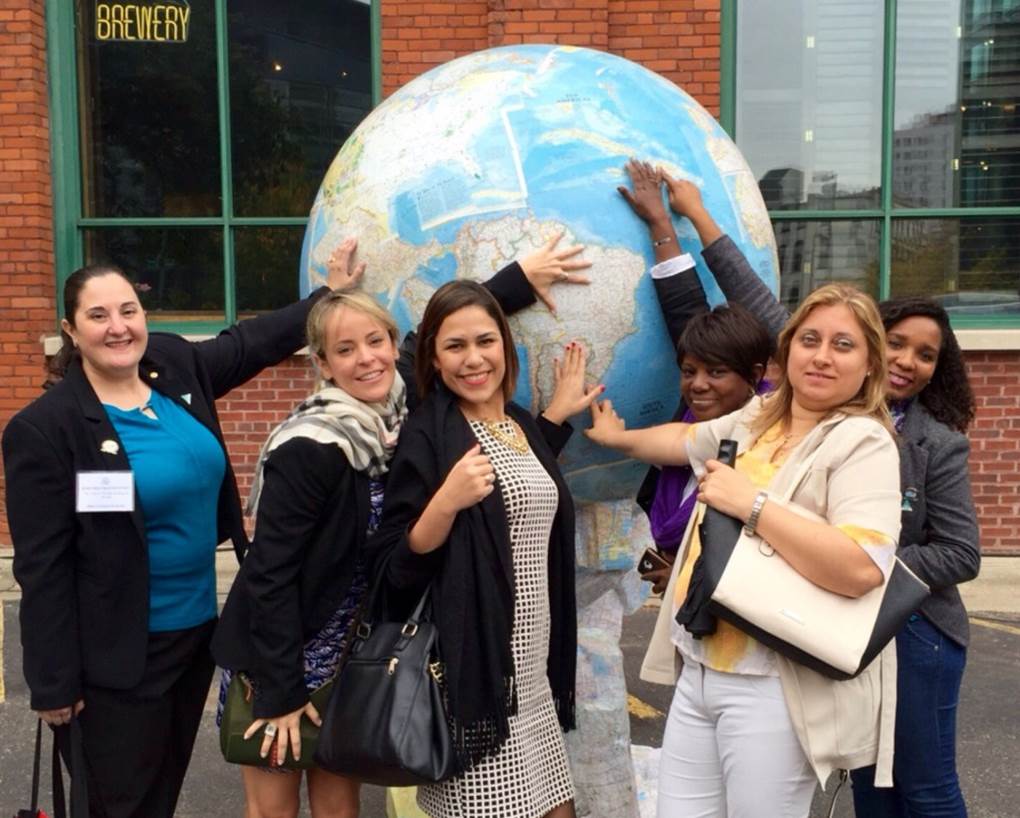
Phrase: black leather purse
(386, 723)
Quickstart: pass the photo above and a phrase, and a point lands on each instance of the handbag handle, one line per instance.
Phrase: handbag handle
(76, 769)
(35, 768)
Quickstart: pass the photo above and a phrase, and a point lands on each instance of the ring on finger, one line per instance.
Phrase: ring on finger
(562, 276)
(270, 730)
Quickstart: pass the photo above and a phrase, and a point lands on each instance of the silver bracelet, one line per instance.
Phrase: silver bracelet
(662, 241)
(752, 521)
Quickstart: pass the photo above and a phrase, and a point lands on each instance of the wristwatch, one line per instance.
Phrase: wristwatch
(752, 521)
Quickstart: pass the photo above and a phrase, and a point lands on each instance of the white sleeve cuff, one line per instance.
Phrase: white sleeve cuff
(673, 266)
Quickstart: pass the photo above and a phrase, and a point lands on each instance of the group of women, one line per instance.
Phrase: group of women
(411, 466)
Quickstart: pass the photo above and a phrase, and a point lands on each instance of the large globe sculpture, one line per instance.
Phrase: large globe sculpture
(480, 160)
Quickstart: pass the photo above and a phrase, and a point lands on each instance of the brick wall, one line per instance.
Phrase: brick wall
(27, 288)
(677, 38)
(995, 447)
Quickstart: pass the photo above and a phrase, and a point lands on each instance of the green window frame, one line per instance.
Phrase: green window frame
(886, 213)
(69, 223)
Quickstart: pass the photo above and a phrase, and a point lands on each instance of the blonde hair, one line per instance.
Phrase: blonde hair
(870, 400)
(318, 318)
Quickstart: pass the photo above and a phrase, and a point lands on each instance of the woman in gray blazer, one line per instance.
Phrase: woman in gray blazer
(932, 405)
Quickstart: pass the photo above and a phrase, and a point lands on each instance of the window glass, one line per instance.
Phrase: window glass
(178, 271)
(147, 109)
(300, 82)
(266, 268)
(957, 130)
(971, 265)
(809, 101)
(817, 252)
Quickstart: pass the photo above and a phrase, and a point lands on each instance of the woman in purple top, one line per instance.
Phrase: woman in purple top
(722, 355)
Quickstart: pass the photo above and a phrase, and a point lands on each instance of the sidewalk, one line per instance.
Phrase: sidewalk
(994, 594)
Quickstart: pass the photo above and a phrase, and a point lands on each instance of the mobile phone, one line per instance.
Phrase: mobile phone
(652, 560)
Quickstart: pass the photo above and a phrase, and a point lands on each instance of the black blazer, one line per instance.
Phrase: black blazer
(85, 577)
(311, 526)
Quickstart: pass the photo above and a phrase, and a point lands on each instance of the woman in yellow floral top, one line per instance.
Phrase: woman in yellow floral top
(750, 731)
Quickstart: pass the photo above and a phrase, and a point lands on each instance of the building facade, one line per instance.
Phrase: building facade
(187, 140)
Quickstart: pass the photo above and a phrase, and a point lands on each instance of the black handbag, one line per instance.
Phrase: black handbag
(76, 769)
(386, 721)
(765, 597)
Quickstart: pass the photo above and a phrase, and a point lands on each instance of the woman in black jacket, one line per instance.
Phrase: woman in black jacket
(478, 510)
(118, 490)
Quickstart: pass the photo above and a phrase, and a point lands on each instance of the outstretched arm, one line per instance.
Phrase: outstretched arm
(661, 445)
(733, 273)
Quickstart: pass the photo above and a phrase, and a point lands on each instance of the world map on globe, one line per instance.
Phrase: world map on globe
(481, 160)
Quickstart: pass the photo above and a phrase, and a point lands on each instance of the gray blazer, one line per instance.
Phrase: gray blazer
(939, 535)
(939, 538)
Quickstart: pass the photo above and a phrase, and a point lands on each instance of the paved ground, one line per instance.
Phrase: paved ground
(989, 744)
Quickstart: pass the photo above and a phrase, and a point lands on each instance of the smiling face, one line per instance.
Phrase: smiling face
(711, 390)
(912, 350)
(828, 359)
(469, 357)
(360, 356)
(109, 327)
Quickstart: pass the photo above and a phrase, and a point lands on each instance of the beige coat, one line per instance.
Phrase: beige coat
(840, 725)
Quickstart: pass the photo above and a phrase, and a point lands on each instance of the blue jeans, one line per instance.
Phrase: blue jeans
(924, 769)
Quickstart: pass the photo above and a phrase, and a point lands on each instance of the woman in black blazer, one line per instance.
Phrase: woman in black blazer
(477, 508)
(118, 490)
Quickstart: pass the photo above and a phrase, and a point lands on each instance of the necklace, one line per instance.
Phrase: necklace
(514, 439)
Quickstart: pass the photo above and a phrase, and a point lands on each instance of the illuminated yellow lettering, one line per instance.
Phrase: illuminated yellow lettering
(131, 23)
(103, 21)
(158, 23)
(171, 23)
(144, 22)
(186, 14)
(117, 22)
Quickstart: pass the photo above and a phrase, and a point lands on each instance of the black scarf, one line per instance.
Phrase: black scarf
(473, 578)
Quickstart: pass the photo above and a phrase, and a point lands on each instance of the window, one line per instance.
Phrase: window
(886, 142)
(191, 137)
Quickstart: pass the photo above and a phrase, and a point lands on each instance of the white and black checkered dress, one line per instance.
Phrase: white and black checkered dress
(530, 775)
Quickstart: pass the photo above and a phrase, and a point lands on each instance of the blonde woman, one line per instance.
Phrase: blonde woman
(749, 731)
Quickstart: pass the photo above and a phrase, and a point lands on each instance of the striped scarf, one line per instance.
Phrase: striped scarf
(365, 432)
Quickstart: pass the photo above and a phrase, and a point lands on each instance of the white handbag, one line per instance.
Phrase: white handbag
(753, 587)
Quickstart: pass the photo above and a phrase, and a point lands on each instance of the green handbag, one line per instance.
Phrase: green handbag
(237, 718)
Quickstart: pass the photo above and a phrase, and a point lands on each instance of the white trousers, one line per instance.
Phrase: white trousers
(730, 750)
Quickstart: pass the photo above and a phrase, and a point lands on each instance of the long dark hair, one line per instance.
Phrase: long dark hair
(948, 395)
(729, 336)
(453, 296)
(58, 364)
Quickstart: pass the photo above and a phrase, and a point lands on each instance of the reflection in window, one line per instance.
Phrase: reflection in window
(178, 271)
(266, 267)
(957, 137)
(300, 82)
(971, 265)
(813, 253)
(148, 121)
(809, 101)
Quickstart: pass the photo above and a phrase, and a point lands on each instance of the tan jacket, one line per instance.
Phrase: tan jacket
(840, 725)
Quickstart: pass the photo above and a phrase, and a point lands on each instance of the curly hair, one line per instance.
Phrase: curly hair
(948, 395)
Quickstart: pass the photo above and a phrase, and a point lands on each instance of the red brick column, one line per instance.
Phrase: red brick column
(27, 285)
(995, 448)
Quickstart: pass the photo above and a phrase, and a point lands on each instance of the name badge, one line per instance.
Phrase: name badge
(105, 491)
